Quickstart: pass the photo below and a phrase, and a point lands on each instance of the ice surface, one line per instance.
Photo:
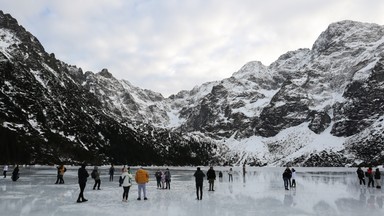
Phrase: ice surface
(320, 191)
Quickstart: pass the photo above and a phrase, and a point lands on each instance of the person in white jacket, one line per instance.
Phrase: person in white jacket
(126, 183)
(5, 170)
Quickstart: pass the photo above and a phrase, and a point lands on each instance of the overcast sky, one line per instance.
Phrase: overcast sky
(172, 45)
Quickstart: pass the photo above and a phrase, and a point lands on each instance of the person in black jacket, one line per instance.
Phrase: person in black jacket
(286, 177)
(199, 178)
(96, 175)
(82, 175)
(15, 173)
(360, 175)
(211, 175)
(111, 172)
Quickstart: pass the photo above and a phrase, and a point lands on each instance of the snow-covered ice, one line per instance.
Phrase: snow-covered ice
(320, 191)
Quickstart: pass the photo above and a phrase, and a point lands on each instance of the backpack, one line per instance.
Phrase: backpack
(93, 174)
(121, 181)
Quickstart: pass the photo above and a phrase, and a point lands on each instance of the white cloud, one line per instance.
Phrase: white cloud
(170, 45)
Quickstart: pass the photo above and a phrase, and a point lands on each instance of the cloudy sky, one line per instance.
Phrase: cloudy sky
(173, 45)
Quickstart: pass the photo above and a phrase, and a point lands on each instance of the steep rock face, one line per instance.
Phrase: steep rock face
(127, 103)
(364, 103)
(335, 87)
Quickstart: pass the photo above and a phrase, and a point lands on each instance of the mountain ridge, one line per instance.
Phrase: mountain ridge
(311, 107)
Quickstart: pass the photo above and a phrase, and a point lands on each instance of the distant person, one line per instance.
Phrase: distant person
(82, 175)
(369, 174)
(199, 179)
(293, 183)
(286, 177)
(378, 178)
(211, 175)
(244, 171)
(360, 175)
(111, 172)
(5, 170)
(142, 178)
(230, 175)
(162, 180)
(60, 174)
(167, 174)
(96, 175)
(158, 175)
(15, 173)
(127, 178)
(220, 176)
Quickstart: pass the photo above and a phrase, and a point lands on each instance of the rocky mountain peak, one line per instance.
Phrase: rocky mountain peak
(11, 24)
(254, 68)
(347, 34)
(105, 73)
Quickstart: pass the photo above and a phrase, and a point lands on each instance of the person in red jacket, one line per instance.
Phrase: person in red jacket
(370, 177)
(142, 178)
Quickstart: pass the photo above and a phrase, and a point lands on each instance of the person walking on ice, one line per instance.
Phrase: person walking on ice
(360, 175)
(369, 174)
(158, 175)
(230, 175)
(211, 175)
(127, 177)
(199, 179)
(5, 170)
(60, 174)
(142, 178)
(15, 173)
(286, 177)
(96, 175)
(293, 183)
(111, 172)
(82, 175)
(167, 179)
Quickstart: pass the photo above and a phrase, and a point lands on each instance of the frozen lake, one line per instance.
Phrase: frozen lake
(320, 191)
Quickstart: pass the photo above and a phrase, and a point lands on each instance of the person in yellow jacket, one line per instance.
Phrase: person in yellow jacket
(142, 178)
(60, 174)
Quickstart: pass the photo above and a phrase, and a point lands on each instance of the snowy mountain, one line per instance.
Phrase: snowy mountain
(52, 112)
(311, 107)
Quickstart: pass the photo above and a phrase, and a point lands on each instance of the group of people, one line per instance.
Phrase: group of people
(372, 177)
(15, 172)
(60, 174)
(125, 180)
(211, 177)
(289, 177)
(163, 179)
(142, 178)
